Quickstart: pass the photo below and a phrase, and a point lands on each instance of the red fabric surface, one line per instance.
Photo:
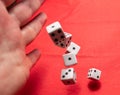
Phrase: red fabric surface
(95, 26)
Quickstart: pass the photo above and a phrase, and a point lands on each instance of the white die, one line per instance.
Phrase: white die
(65, 42)
(73, 48)
(94, 73)
(68, 76)
(53, 27)
(68, 37)
(56, 33)
(69, 59)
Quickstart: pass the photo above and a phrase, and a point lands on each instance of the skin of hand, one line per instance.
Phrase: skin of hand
(15, 64)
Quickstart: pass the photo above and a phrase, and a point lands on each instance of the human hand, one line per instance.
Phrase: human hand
(15, 64)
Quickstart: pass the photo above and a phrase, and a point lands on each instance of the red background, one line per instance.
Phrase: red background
(95, 26)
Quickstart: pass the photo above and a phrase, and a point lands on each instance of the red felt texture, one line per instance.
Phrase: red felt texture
(95, 26)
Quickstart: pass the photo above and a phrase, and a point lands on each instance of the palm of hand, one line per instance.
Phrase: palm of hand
(14, 63)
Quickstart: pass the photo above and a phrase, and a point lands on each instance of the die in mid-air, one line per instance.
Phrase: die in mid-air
(68, 76)
(94, 73)
(73, 48)
(57, 35)
(68, 37)
(69, 59)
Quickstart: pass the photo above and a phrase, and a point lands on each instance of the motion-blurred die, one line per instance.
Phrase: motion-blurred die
(56, 33)
(94, 73)
(69, 59)
(68, 76)
(68, 37)
(73, 48)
